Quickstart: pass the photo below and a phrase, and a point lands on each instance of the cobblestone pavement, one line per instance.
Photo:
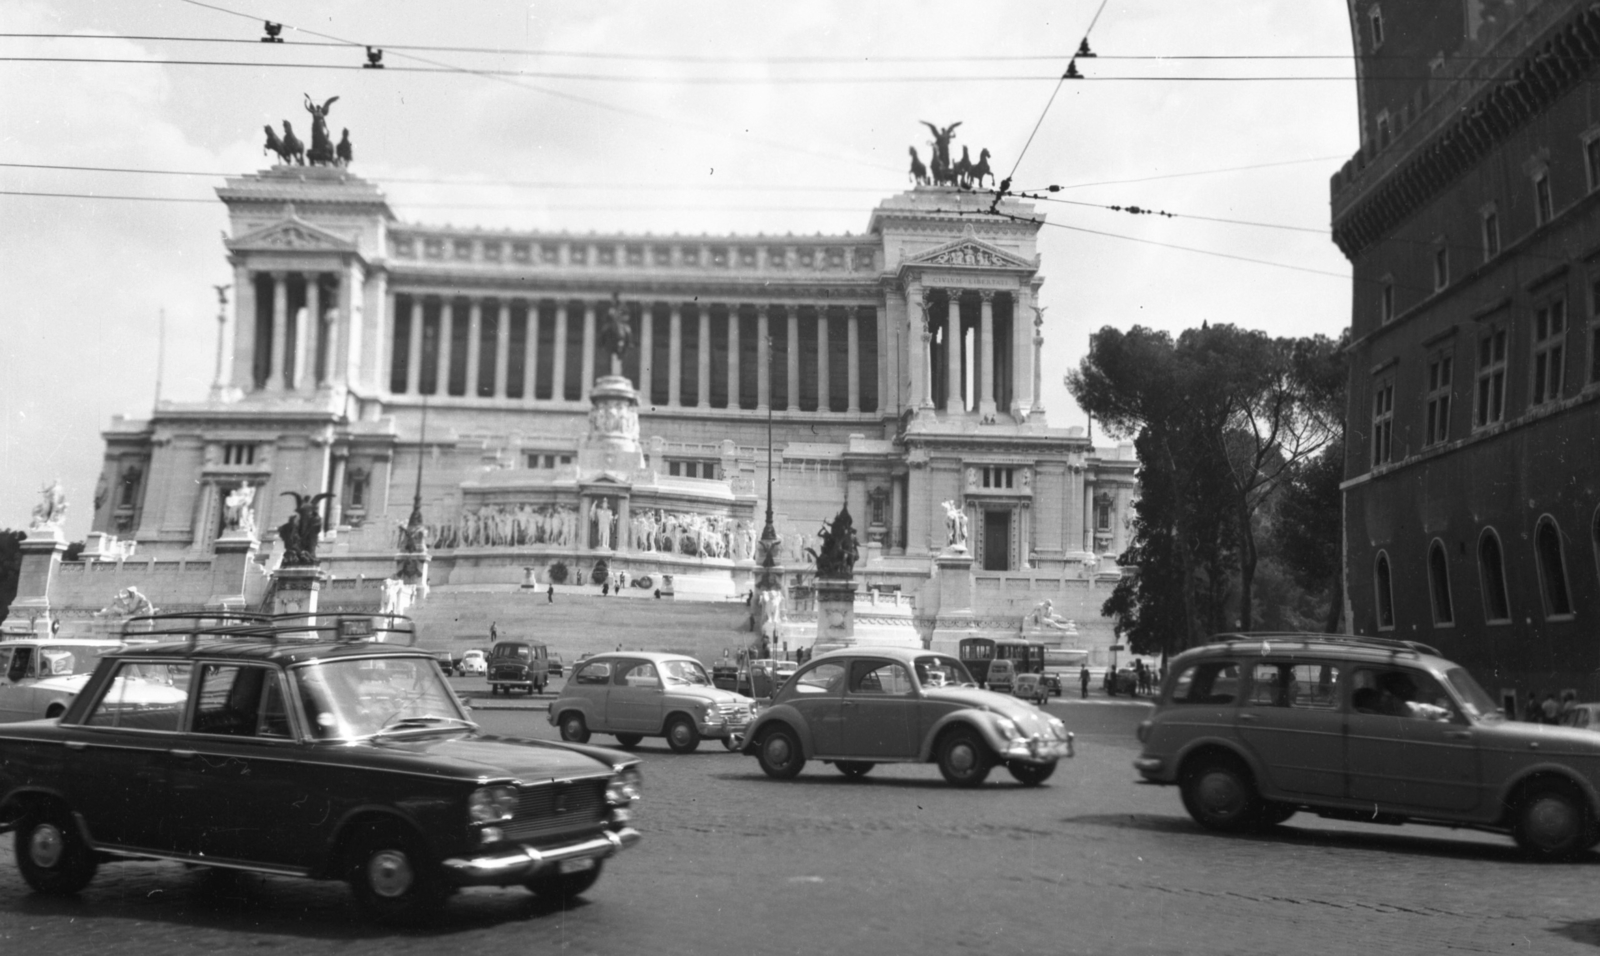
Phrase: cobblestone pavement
(896, 863)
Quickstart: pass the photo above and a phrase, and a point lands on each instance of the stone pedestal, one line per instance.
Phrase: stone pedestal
(234, 552)
(295, 590)
(41, 560)
(954, 619)
(611, 446)
(836, 614)
(530, 576)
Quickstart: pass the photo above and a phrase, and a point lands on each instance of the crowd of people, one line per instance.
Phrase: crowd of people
(1549, 710)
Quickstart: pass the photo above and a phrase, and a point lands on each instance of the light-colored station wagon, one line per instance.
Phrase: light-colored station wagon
(636, 694)
(1259, 726)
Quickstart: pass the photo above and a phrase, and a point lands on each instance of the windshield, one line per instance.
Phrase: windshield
(1474, 699)
(938, 670)
(685, 672)
(360, 697)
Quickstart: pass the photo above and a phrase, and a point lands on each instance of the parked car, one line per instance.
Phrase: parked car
(1031, 687)
(1257, 727)
(1582, 715)
(632, 695)
(725, 674)
(308, 750)
(1002, 675)
(39, 677)
(1124, 682)
(448, 662)
(859, 707)
(518, 665)
(554, 665)
(474, 663)
(1051, 682)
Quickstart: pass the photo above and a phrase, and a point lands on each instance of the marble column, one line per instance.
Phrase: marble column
(1038, 367)
(530, 351)
(280, 331)
(558, 388)
(986, 359)
(897, 507)
(763, 361)
(675, 356)
(703, 359)
(824, 400)
(853, 356)
(336, 503)
(447, 321)
(1021, 380)
(474, 347)
(414, 349)
(953, 398)
(585, 527)
(588, 351)
(916, 326)
(244, 328)
(305, 335)
(623, 539)
(733, 357)
(502, 349)
(1088, 513)
(793, 314)
(647, 347)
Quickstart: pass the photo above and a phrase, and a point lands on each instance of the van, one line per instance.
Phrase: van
(518, 665)
(1002, 675)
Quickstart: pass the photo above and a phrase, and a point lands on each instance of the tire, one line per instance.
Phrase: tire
(1273, 813)
(628, 741)
(51, 853)
(1031, 774)
(393, 875)
(1551, 822)
(1219, 795)
(565, 887)
(682, 735)
(854, 769)
(573, 728)
(779, 753)
(964, 758)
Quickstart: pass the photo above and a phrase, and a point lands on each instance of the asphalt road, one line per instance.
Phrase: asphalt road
(897, 862)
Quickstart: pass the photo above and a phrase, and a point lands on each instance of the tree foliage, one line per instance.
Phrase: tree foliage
(10, 568)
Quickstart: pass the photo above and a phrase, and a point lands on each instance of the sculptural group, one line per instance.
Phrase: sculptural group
(301, 532)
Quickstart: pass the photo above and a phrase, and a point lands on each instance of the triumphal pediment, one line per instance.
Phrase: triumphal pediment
(969, 252)
(293, 234)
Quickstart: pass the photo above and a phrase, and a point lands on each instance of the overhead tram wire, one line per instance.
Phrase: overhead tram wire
(560, 207)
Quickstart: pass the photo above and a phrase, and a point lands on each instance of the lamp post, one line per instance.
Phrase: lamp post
(769, 534)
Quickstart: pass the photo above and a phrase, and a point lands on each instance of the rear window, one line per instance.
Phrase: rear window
(1208, 682)
(513, 650)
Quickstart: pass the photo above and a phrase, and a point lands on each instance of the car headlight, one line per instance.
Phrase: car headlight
(1008, 727)
(492, 804)
(1058, 728)
(625, 788)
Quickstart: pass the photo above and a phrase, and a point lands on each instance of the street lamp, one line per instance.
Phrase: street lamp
(769, 534)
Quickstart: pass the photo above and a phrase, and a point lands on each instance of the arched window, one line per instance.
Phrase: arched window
(1385, 592)
(1439, 584)
(1552, 568)
(1492, 577)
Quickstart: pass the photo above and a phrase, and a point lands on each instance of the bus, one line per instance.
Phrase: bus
(976, 653)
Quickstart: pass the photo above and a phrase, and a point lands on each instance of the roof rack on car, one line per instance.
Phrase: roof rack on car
(182, 625)
(336, 626)
(1351, 640)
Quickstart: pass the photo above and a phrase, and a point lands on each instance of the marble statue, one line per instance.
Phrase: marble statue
(602, 515)
(128, 603)
(955, 521)
(237, 516)
(1044, 616)
(51, 510)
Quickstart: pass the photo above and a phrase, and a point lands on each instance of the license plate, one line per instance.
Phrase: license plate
(577, 865)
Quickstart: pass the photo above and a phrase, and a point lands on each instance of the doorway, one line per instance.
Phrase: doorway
(997, 539)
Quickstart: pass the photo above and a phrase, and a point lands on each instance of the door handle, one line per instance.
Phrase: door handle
(1458, 734)
(182, 754)
(848, 703)
(77, 745)
(1248, 718)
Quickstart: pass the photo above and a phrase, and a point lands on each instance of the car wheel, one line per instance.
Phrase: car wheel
(573, 728)
(1219, 794)
(1273, 813)
(1551, 822)
(964, 758)
(629, 741)
(393, 876)
(51, 853)
(682, 735)
(565, 887)
(854, 768)
(1031, 774)
(779, 753)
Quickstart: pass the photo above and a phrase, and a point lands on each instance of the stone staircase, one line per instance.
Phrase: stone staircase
(579, 621)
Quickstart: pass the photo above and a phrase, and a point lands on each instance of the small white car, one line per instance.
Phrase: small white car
(39, 677)
(474, 663)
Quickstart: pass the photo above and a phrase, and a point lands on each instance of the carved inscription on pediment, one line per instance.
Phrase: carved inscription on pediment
(969, 254)
(292, 237)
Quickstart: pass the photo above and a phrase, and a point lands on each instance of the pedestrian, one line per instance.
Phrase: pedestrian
(1111, 681)
(1569, 703)
(605, 588)
(550, 595)
(494, 632)
(1083, 682)
(1530, 711)
(1551, 709)
(658, 594)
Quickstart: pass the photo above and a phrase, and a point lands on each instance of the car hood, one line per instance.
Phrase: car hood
(710, 693)
(492, 756)
(1025, 714)
(1519, 735)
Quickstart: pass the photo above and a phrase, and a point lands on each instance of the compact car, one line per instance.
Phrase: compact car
(858, 707)
(474, 663)
(1257, 727)
(302, 749)
(40, 676)
(634, 694)
(1031, 687)
(518, 665)
(555, 666)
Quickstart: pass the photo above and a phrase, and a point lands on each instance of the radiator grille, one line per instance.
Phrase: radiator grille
(557, 809)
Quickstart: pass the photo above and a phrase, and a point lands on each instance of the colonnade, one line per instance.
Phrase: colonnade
(287, 338)
(1000, 355)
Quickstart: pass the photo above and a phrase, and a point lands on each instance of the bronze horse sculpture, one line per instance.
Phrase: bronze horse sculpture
(919, 172)
(289, 148)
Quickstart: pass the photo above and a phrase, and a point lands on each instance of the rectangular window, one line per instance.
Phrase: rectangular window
(1437, 408)
(1491, 392)
(1549, 352)
(1491, 234)
(237, 454)
(1386, 302)
(1441, 267)
(1543, 210)
(1383, 423)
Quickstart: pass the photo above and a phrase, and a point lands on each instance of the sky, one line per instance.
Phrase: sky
(648, 117)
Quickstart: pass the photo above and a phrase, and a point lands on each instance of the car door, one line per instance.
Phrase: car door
(634, 704)
(120, 777)
(816, 694)
(880, 710)
(1291, 720)
(236, 784)
(14, 664)
(1407, 747)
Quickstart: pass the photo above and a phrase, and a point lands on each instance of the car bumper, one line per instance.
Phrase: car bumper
(522, 863)
(1039, 750)
(724, 728)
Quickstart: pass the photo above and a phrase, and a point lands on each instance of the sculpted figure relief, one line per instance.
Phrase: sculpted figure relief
(300, 532)
(955, 521)
(1044, 615)
(237, 515)
(51, 510)
(128, 602)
